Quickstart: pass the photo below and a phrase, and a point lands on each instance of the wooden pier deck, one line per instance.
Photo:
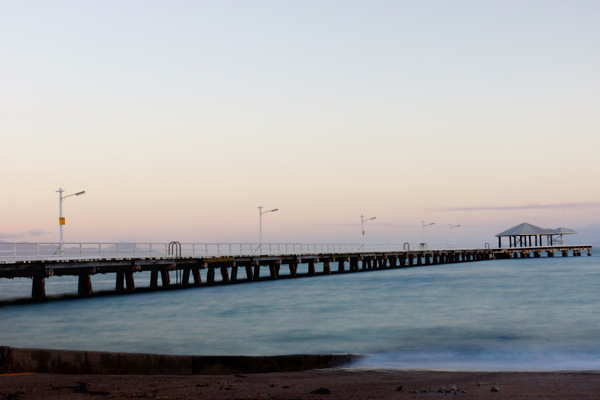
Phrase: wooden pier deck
(230, 269)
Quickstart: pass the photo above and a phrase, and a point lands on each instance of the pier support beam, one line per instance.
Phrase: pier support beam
(190, 269)
(84, 288)
(130, 282)
(382, 262)
(38, 287)
(153, 280)
(354, 264)
(165, 278)
(196, 273)
(120, 281)
(274, 269)
(393, 261)
(293, 265)
(376, 263)
(125, 281)
(210, 276)
(341, 265)
(256, 271)
(365, 263)
(249, 273)
(225, 274)
(185, 277)
(311, 266)
(326, 267)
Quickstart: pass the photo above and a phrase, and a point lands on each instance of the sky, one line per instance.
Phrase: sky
(180, 118)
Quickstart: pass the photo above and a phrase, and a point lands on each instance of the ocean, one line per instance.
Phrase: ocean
(518, 314)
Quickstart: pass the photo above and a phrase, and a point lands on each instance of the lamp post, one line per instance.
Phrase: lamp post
(61, 219)
(452, 227)
(260, 214)
(424, 225)
(362, 223)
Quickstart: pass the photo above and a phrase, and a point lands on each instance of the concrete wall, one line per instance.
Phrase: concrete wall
(15, 360)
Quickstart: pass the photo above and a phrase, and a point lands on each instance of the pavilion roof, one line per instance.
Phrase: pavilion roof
(526, 229)
(564, 231)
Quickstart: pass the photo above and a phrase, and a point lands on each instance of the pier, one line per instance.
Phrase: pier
(176, 265)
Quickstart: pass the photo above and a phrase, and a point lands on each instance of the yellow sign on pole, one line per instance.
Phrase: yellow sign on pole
(61, 220)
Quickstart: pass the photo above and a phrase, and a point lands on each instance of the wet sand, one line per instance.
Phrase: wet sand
(326, 384)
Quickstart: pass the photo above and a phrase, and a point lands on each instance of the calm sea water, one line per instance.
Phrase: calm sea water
(525, 314)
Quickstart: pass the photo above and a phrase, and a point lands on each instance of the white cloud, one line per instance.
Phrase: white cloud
(29, 233)
(527, 207)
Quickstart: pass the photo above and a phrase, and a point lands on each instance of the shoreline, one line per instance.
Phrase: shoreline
(64, 374)
(54, 361)
(329, 384)
(58, 361)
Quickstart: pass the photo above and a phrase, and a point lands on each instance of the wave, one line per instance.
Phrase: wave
(484, 360)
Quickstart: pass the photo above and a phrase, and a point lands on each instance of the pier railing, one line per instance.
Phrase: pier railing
(11, 252)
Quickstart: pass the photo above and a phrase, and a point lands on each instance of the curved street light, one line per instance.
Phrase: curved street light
(260, 214)
(61, 219)
(424, 225)
(362, 223)
(452, 227)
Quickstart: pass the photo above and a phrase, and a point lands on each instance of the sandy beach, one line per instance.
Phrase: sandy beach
(327, 384)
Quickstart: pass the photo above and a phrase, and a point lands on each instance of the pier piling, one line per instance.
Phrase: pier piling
(84, 287)
(38, 288)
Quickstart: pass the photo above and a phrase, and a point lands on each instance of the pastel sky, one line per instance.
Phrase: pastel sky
(180, 118)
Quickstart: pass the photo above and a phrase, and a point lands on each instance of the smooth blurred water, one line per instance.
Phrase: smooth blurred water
(538, 313)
